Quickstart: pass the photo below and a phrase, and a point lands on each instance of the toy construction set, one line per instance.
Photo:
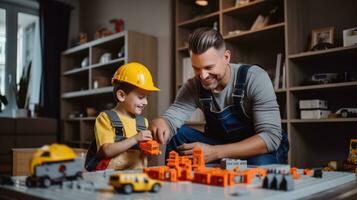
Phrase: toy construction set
(57, 173)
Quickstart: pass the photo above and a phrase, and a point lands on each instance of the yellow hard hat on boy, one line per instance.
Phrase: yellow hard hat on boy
(136, 74)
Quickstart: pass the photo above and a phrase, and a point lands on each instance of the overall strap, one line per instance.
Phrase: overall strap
(140, 123)
(117, 124)
(239, 87)
(205, 98)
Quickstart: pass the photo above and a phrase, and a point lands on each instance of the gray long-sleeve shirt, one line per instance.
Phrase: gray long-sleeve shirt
(259, 104)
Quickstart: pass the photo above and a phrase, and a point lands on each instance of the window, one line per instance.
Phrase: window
(28, 57)
(2, 50)
(20, 62)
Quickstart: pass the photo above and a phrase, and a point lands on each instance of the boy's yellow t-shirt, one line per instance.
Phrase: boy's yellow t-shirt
(105, 133)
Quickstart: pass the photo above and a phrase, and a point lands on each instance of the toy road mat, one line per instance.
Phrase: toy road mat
(94, 186)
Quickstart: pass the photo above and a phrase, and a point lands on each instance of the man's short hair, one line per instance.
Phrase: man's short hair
(120, 85)
(204, 38)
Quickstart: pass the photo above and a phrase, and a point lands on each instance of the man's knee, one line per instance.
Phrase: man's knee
(185, 134)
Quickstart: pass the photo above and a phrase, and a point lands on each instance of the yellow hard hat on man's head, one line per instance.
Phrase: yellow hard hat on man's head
(136, 74)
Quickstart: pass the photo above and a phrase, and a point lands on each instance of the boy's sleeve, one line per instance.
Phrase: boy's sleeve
(103, 130)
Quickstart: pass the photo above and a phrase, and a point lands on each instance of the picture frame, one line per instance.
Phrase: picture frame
(322, 35)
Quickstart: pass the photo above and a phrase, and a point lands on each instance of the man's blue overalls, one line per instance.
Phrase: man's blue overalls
(228, 126)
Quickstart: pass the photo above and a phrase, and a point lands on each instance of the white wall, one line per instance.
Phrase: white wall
(152, 17)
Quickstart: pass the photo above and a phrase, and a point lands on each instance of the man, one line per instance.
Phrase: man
(239, 104)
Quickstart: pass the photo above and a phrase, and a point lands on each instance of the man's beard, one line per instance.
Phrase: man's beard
(211, 86)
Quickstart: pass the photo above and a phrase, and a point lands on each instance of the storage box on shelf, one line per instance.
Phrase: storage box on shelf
(86, 85)
(288, 33)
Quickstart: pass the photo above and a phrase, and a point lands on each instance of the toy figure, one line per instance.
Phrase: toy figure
(83, 38)
(119, 24)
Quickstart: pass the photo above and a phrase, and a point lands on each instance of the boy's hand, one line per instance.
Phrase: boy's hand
(144, 135)
(160, 130)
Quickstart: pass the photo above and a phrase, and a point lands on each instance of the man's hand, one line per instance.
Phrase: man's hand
(160, 130)
(209, 151)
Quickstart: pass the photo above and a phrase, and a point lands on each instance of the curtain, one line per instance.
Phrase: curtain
(54, 29)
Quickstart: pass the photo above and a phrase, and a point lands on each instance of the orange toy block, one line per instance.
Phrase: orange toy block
(185, 169)
(150, 147)
(223, 178)
(198, 161)
(294, 173)
(203, 176)
(308, 172)
(156, 172)
(162, 173)
(174, 160)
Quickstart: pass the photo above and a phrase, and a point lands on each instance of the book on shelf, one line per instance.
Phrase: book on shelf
(279, 59)
(283, 77)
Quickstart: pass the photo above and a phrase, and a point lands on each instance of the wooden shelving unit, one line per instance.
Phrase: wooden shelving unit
(79, 91)
(289, 35)
(270, 29)
(327, 52)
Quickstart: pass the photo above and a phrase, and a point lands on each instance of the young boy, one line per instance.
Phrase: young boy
(132, 84)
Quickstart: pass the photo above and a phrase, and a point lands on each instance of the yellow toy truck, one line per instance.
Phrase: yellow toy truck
(127, 183)
(53, 164)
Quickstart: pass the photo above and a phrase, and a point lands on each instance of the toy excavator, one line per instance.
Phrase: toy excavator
(53, 164)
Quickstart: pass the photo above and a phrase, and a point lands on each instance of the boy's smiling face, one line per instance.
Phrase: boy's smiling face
(134, 102)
